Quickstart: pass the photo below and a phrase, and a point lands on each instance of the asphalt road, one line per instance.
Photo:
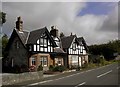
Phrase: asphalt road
(106, 76)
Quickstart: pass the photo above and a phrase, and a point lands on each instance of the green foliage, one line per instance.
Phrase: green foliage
(4, 44)
(107, 50)
(57, 68)
(2, 17)
(40, 68)
(51, 67)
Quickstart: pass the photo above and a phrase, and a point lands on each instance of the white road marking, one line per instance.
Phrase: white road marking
(39, 83)
(66, 76)
(80, 84)
(104, 74)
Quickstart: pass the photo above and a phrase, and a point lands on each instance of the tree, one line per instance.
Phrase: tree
(2, 17)
(4, 43)
(107, 50)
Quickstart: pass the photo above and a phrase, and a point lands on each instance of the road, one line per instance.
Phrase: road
(106, 75)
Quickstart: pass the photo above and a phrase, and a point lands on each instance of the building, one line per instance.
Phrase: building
(76, 49)
(41, 47)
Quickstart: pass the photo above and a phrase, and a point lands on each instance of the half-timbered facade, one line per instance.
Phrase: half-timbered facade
(76, 50)
(41, 47)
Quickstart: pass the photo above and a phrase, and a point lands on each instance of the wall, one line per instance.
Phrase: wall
(38, 56)
(19, 55)
(16, 78)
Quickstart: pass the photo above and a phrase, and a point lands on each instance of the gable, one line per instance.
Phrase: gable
(13, 38)
(37, 34)
(67, 41)
(81, 41)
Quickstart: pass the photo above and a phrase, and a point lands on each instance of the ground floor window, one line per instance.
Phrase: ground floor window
(58, 61)
(33, 61)
(44, 60)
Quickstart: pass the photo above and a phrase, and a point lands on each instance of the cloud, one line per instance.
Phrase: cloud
(111, 21)
(64, 15)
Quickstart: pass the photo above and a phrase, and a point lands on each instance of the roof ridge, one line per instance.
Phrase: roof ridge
(38, 29)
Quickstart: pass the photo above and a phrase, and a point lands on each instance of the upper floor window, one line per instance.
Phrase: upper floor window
(41, 41)
(74, 46)
(45, 42)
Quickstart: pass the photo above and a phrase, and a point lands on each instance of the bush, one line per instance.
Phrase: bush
(78, 68)
(59, 68)
(51, 67)
(40, 68)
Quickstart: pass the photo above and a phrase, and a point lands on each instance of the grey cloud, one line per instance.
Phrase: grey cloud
(63, 15)
(111, 22)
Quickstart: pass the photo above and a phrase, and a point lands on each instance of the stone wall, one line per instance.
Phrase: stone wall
(16, 78)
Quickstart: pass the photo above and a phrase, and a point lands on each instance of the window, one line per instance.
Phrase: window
(41, 41)
(33, 60)
(59, 61)
(45, 42)
(38, 48)
(74, 46)
(81, 49)
(43, 60)
(34, 47)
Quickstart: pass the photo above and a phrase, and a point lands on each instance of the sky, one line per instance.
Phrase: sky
(95, 21)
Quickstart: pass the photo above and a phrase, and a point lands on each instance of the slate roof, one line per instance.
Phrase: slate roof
(58, 50)
(36, 34)
(66, 41)
(23, 36)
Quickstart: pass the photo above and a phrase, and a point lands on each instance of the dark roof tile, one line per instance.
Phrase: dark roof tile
(23, 36)
(66, 41)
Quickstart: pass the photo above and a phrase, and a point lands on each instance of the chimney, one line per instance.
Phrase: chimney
(71, 34)
(54, 31)
(19, 24)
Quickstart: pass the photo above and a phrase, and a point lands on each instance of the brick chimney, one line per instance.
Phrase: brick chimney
(54, 31)
(19, 24)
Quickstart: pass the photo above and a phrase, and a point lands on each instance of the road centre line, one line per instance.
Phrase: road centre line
(104, 74)
(80, 84)
(66, 76)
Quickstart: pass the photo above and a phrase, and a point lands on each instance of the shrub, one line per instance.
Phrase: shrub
(51, 67)
(59, 68)
(78, 68)
(40, 68)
